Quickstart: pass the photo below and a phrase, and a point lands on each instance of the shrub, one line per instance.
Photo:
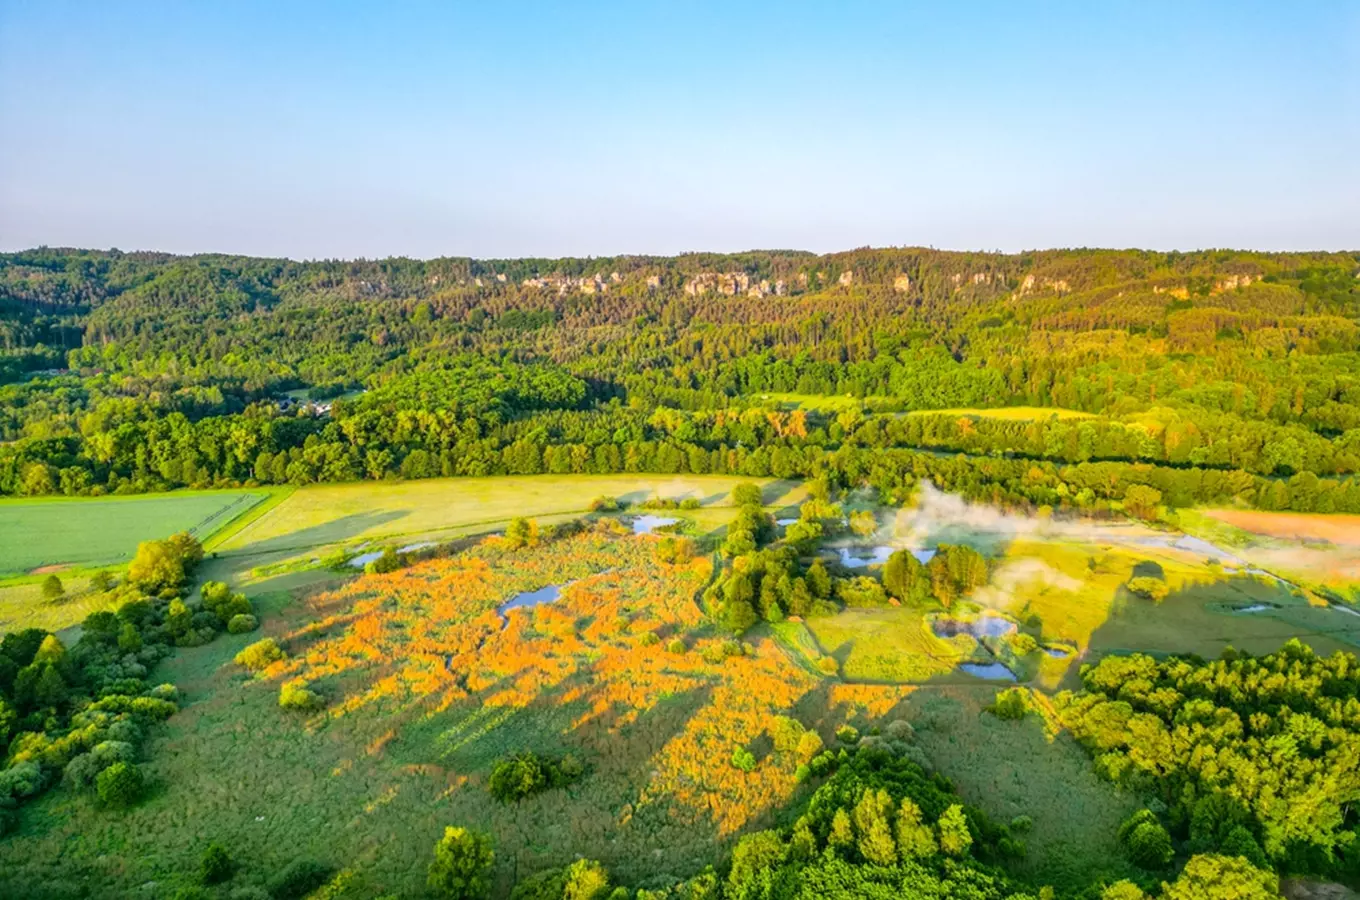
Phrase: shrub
(827, 665)
(743, 759)
(1142, 501)
(53, 589)
(528, 773)
(1154, 589)
(389, 561)
(785, 733)
(584, 879)
(521, 532)
(516, 778)
(861, 591)
(1147, 842)
(120, 785)
(1012, 703)
(690, 503)
(125, 730)
(899, 730)
(260, 655)
(676, 646)
(82, 770)
(462, 865)
(242, 623)
(215, 866)
(747, 494)
(863, 523)
(296, 695)
(604, 504)
(955, 838)
(847, 734)
(649, 639)
(20, 780)
(110, 752)
(298, 879)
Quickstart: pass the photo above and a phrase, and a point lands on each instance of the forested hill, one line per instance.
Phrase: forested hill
(1209, 375)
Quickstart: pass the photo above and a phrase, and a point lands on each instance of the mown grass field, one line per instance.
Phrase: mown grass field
(22, 604)
(82, 532)
(329, 514)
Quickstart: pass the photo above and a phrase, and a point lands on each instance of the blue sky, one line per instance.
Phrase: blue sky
(545, 129)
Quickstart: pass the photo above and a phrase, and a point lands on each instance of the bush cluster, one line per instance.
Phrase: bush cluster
(525, 774)
(78, 715)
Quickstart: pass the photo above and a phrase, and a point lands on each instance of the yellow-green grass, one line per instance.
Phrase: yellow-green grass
(1011, 768)
(1079, 595)
(825, 403)
(22, 604)
(1014, 413)
(322, 515)
(893, 644)
(76, 531)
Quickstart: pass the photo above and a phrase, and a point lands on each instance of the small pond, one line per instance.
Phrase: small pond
(1255, 608)
(530, 599)
(786, 521)
(992, 671)
(648, 524)
(983, 626)
(364, 559)
(856, 558)
(412, 548)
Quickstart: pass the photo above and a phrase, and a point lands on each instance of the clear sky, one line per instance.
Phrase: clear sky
(500, 128)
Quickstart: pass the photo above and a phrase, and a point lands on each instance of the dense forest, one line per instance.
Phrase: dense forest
(1205, 376)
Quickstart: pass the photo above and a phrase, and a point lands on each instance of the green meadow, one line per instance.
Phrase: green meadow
(102, 531)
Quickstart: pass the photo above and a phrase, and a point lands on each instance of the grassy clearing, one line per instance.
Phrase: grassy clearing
(22, 605)
(330, 514)
(1018, 768)
(823, 403)
(890, 645)
(1012, 413)
(106, 530)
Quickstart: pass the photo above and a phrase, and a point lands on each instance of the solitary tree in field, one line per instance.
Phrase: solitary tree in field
(521, 532)
(462, 865)
(747, 494)
(52, 588)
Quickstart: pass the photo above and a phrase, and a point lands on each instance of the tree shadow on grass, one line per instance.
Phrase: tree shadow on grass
(333, 532)
(1203, 617)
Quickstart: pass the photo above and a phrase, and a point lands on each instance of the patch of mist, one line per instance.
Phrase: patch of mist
(1000, 592)
(940, 517)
